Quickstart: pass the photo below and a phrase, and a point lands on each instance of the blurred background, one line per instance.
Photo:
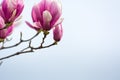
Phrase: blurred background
(89, 49)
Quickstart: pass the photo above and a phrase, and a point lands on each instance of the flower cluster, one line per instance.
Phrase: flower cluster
(10, 10)
(46, 16)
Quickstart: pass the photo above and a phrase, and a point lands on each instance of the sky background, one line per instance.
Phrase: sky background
(89, 49)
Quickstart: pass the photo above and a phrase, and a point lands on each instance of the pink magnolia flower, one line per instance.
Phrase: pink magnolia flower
(46, 15)
(11, 9)
(5, 32)
(58, 33)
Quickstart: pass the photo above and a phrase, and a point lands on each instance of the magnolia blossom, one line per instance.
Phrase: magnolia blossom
(10, 10)
(58, 33)
(46, 15)
(5, 32)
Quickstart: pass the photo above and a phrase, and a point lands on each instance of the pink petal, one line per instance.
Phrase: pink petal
(36, 16)
(58, 33)
(1, 13)
(2, 23)
(46, 20)
(19, 9)
(33, 27)
(9, 31)
(55, 11)
(60, 20)
(2, 34)
(6, 10)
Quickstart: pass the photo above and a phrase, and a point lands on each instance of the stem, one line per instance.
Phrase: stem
(15, 54)
(21, 41)
(29, 48)
(43, 40)
(28, 51)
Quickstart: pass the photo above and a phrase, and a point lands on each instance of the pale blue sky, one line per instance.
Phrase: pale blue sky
(89, 49)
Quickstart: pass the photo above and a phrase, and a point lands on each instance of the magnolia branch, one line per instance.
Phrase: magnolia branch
(28, 49)
(21, 41)
(43, 24)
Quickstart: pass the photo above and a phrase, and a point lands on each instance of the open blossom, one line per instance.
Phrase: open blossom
(58, 33)
(10, 10)
(46, 15)
(5, 32)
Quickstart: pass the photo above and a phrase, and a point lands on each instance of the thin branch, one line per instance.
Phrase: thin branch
(21, 41)
(29, 48)
(28, 51)
(43, 40)
(15, 54)
(55, 43)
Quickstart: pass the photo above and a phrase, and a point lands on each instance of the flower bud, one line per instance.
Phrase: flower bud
(58, 33)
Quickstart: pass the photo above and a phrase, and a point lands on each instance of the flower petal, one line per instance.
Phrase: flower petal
(2, 23)
(36, 16)
(56, 11)
(58, 33)
(46, 20)
(36, 26)
(9, 30)
(60, 20)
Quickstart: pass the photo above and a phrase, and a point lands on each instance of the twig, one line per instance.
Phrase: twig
(31, 49)
(21, 41)
(18, 53)
(28, 51)
(55, 43)
(43, 40)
